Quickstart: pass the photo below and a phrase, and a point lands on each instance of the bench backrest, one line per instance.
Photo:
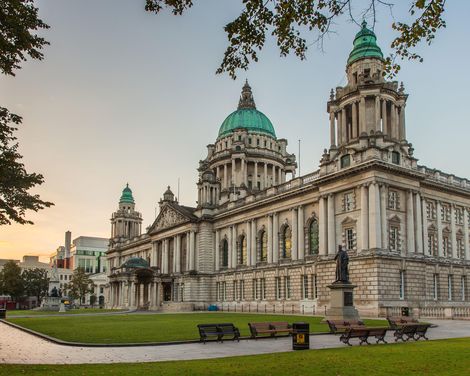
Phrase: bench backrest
(208, 328)
(280, 325)
(227, 328)
(397, 321)
(259, 326)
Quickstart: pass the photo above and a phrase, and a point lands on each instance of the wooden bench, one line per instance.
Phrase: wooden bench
(395, 322)
(405, 332)
(363, 334)
(271, 328)
(219, 331)
(420, 332)
(341, 326)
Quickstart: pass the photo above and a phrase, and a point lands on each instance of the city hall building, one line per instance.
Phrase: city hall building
(262, 238)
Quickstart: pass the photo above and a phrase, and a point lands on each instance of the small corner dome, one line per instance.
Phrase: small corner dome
(135, 263)
(126, 196)
(247, 117)
(365, 45)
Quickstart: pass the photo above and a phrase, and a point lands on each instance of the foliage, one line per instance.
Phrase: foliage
(288, 20)
(36, 283)
(128, 328)
(79, 285)
(17, 19)
(11, 282)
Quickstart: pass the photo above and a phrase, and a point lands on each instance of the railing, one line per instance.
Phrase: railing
(442, 177)
(456, 312)
(260, 307)
(433, 312)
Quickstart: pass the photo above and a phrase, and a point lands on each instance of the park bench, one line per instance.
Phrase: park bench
(341, 326)
(272, 328)
(363, 333)
(395, 322)
(405, 332)
(219, 331)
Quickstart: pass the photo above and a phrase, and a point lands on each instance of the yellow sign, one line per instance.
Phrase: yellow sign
(300, 338)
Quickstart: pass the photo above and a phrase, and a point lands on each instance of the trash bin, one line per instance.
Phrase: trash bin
(405, 311)
(300, 336)
(3, 313)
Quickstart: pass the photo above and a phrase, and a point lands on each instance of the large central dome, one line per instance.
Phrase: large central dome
(247, 117)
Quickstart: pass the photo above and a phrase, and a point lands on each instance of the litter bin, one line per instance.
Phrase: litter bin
(300, 336)
(405, 311)
(3, 313)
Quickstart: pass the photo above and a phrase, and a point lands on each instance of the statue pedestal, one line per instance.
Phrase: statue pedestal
(341, 302)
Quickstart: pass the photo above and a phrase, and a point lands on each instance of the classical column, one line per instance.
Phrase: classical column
(158, 295)
(453, 230)
(331, 225)
(178, 254)
(393, 129)
(362, 116)
(248, 243)
(300, 229)
(402, 123)
(419, 225)
(270, 239)
(274, 175)
(465, 232)
(217, 251)
(295, 254)
(192, 243)
(188, 265)
(332, 129)
(265, 176)
(383, 214)
(344, 129)
(275, 237)
(243, 171)
(322, 227)
(425, 227)
(132, 294)
(283, 176)
(255, 178)
(440, 249)
(234, 247)
(225, 176)
(377, 113)
(339, 125)
(375, 232)
(354, 119)
(384, 117)
(253, 243)
(279, 178)
(141, 295)
(410, 227)
(165, 256)
(230, 246)
(151, 292)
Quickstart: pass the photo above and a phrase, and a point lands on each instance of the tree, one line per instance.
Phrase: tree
(79, 285)
(36, 283)
(11, 282)
(289, 20)
(18, 18)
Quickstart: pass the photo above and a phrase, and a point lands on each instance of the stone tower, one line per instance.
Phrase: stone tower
(126, 222)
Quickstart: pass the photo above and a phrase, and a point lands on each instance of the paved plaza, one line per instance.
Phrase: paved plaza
(19, 347)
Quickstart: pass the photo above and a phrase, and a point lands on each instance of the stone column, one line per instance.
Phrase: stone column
(187, 250)
(402, 123)
(274, 175)
(354, 119)
(192, 243)
(165, 256)
(270, 239)
(410, 227)
(344, 130)
(234, 247)
(300, 229)
(151, 292)
(384, 117)
(362, 116)
(453, 230)
(255, 178)
(419, 225)
(339, 125)
(178, 254)
(217, 251)
(383, 214)
(279, 179)
(294, 220)
(322, 227)
(283, 176)
(234, 180)
(266, 185)
(253, 243)
(375, 232)
(248, 243)
(377, 113)
(440, 249)
(243, 171)
(465, 232)
(331, 225)
(230, 246)
(132, 294)
(332, 129)
(141, 295)
(225, 176)
(393, 129)
(275, 238)
(425, 226)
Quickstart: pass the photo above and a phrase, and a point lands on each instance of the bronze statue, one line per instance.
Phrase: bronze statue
(342, 260)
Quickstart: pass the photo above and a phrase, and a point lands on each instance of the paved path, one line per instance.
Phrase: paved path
(17, 346)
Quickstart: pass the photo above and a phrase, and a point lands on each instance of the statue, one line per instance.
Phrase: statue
(342, 260)
(54, 293)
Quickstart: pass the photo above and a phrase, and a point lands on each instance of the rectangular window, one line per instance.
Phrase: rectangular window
(348, 201)
(288, 287)
(349, 235)
(446, 246)
(445, 213)
(402, 284)
(255, 289)
(463, 287)
(432, 244)
(435, 286)
(242, 290)
(305, 287)
(460, 249)
(393, 200)
(449, 286)
(314, 287)
(278, 288)
(181, 292)
(395, 157)
(393, 240)
(263, 288)
(459, 216)
(235, 290)
(430, 210)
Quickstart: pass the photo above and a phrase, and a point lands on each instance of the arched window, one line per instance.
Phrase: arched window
(263, 246)
(313, 237)
(242, 250)
(286, 243)
(224, 258)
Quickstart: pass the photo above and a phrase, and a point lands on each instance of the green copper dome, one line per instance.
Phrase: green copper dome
(136, 263)
(247, 117)
(365, 45)
(126, 196)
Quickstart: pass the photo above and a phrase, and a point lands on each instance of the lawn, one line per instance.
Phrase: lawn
(128, 328)
(444, 357)
(30, 312)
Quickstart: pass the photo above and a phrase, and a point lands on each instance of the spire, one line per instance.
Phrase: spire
(246, 98)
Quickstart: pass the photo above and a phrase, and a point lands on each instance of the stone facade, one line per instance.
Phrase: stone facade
(257, 240)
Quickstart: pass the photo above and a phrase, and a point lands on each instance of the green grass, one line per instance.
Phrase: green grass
(444, 357)
(128, 328)
(30, 312)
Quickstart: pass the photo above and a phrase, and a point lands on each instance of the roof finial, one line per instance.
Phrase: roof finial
(246, 98)
(364, 24)
(127, 185)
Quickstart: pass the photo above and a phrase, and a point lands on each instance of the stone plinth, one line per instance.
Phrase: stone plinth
(341, 302)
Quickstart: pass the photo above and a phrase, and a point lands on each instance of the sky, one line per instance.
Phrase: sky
(126, 96)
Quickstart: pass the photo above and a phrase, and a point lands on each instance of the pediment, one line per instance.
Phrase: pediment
(167, 218)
